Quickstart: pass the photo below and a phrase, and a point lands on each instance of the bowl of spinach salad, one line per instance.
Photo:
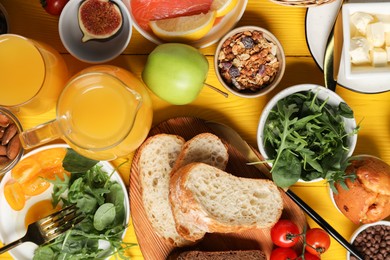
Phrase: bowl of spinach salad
(100, 195)
(306, 133)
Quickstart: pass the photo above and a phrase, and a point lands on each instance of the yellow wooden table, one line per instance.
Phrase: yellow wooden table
(28, 18)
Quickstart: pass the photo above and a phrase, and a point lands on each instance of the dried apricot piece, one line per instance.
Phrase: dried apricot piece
(35, 186)
(40, 210)
(51, 173)
(13, 193)
(51, 158)
(25, 170)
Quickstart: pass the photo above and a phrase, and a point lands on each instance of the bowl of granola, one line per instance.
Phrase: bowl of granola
(249, 61)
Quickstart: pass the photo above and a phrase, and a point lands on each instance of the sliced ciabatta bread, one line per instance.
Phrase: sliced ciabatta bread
(157, 157)
(206, 148)
(211, 200)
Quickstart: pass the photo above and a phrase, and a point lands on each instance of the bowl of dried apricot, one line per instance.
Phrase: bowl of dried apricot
(249, 61)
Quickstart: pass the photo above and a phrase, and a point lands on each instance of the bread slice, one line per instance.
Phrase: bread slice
(208, 199)
(206, 148)
(220, 255)
(157, 157)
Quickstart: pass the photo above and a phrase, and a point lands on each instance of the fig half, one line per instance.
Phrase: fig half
(99, 19)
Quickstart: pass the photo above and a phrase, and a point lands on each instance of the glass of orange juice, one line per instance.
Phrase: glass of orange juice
(104, 112)
(32, 75)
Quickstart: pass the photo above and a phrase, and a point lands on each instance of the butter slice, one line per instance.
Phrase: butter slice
(378, 57)
(360, 20)
(376, 34)
(359, 50)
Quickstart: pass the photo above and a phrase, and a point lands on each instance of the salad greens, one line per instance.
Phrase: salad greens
(306, 139)
(100, 200)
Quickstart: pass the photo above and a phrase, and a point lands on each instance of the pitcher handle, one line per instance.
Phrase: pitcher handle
(40, 134)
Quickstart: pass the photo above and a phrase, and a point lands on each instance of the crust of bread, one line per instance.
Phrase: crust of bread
(188, 208)
(367, 199)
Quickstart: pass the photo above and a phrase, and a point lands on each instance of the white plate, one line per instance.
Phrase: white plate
(216, 33)
(12, 222)
(319, 21)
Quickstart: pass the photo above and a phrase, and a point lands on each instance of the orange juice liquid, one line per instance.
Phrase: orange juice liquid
(105, 120)
(32, 74)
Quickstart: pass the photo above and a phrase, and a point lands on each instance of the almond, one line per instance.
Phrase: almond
(3, 150)
(4, 120)
(9, 133)
(13, 147)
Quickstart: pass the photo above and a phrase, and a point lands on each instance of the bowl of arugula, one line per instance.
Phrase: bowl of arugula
(94, 186)
(306, 133)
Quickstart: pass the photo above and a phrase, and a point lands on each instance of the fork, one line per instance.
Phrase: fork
(48, 228)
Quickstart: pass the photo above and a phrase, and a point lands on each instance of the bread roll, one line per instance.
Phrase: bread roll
(367, 199)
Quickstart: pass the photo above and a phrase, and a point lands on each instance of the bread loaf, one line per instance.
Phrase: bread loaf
(157, 157)
(207, 199)
(367, 198)
(220, 255)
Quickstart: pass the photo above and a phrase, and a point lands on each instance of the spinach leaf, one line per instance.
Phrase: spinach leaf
(104, 216)
(76, 163)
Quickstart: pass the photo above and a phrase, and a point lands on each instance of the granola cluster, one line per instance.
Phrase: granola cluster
(247, 61)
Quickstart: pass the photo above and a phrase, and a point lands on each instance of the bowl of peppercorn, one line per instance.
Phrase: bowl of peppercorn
(249, 61)
(372, 241)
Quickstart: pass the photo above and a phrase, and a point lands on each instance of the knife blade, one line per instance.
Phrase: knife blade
(234, 139)
(329, 57)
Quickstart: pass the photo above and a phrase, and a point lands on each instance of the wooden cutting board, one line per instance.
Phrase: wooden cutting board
(154, 248)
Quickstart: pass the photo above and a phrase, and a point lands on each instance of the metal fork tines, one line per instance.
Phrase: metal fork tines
(48, 228)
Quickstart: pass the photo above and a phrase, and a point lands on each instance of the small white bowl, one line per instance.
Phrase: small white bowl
(381, 13)
(280, 56)
(361, 229)
(92, 51)
(322, 94)
(226, 23)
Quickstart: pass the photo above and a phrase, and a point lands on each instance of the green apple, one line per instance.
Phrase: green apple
(175, 72)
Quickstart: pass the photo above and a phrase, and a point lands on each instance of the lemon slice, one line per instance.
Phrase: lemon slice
(222, 7)
(184, 28)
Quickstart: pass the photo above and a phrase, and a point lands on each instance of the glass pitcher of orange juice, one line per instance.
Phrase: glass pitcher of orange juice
(32, 75)
(104, 112)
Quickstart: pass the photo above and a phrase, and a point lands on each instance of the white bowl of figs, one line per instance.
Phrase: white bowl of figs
(95, 31)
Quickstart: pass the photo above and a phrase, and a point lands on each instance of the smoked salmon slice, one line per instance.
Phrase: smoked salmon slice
(147, 10)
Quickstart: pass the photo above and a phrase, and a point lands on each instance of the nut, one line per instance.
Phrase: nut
(248, 61)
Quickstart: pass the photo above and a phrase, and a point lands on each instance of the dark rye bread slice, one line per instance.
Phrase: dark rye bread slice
(220, 255)
(206, 199)
(157, 157)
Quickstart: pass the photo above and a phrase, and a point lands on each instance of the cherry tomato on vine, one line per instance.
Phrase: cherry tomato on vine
(285, 233)
(54, 7)
(317, 240)
(283, 253)
(309, 256)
